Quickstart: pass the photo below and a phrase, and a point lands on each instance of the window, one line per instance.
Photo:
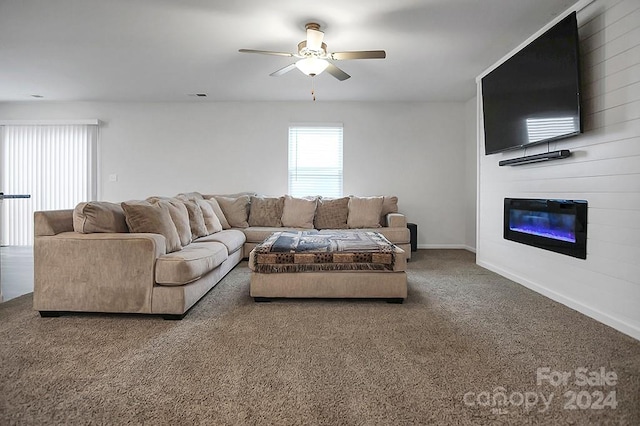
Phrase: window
(54, 163)
(315, 160)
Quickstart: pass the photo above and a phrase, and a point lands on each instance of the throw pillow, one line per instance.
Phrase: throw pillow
(332, 213)
(142, 216)
(218, 211)
(234, 195)
(99, 216)
(298, 212)
(211, 221)
(236, 210)
(266, 211)
(389, 205)
(189, 196)
(179, 216)
(196, 220)
(364, 212)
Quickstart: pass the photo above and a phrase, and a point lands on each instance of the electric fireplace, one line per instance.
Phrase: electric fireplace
(556, 225)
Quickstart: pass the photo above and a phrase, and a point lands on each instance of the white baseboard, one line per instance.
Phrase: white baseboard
(596, 314)
(442, 246)
(446, 247)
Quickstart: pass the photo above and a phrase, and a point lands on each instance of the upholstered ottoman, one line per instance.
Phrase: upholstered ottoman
(328, 264)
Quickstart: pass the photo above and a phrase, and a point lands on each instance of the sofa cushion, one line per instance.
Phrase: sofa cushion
(234, 195)
(364, 212)
(211, 220)
(236, 210)
(196, 220)
(218, 211)
(179, 216)
(389, 205)
(190, 263)
(257, 234)
(142, 216)
(233, 239)
(332, 213)
(190, 196)
(266, 211)
(298, 212)
(99, 216)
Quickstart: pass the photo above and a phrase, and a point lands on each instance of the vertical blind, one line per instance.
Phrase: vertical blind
(315, 160)
(55, 164)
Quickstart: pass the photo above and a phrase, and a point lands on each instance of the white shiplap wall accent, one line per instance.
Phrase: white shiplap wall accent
(604, 169)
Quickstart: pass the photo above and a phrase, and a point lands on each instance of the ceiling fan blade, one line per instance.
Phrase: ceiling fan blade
(265, 52)
(314, 39)
(337, 72)
(283, 70)
(360, 54)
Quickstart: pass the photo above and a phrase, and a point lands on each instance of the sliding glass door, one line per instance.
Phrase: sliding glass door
(55, 164)
(44, 166)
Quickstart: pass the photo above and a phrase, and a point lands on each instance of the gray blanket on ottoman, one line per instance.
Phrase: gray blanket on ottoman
(301, 251)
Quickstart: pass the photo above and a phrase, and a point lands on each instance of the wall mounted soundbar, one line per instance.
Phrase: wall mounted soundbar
(554, 155)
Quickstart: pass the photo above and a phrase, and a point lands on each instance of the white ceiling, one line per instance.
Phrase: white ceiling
(162, 50)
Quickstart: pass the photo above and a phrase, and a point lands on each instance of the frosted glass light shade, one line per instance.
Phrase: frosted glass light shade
(312, 66)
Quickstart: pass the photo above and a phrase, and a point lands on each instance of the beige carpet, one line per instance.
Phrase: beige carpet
(464, 336)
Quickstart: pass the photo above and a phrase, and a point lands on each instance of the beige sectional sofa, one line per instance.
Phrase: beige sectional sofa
(162, 255)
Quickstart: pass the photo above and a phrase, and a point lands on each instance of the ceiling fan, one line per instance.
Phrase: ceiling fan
(313, 57)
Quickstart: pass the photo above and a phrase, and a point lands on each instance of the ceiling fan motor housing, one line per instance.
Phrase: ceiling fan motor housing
(306, 52)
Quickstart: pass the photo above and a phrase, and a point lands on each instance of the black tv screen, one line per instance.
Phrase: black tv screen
(534, 96)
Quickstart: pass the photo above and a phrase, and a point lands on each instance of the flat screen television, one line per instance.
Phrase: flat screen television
(534, 96)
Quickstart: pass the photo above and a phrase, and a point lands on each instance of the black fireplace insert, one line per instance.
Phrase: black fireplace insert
(556, 225)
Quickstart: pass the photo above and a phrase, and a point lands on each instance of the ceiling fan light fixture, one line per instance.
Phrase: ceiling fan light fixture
(314, 58)
(312, 66)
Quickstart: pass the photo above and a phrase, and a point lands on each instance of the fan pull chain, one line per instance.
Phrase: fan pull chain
(313, 91)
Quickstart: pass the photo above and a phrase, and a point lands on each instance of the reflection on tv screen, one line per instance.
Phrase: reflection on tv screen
(558, 226)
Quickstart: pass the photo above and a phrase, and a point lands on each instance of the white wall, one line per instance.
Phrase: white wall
(604, 169)
(471, 171)
(413, 150)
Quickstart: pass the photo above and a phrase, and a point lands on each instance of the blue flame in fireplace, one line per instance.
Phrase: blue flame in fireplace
(557, 226)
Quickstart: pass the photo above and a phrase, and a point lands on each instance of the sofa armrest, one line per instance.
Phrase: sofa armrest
(52, 222)
(396, 220)
(104, 272)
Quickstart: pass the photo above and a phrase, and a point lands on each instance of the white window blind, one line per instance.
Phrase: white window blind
(55, 164)
(315, 160)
